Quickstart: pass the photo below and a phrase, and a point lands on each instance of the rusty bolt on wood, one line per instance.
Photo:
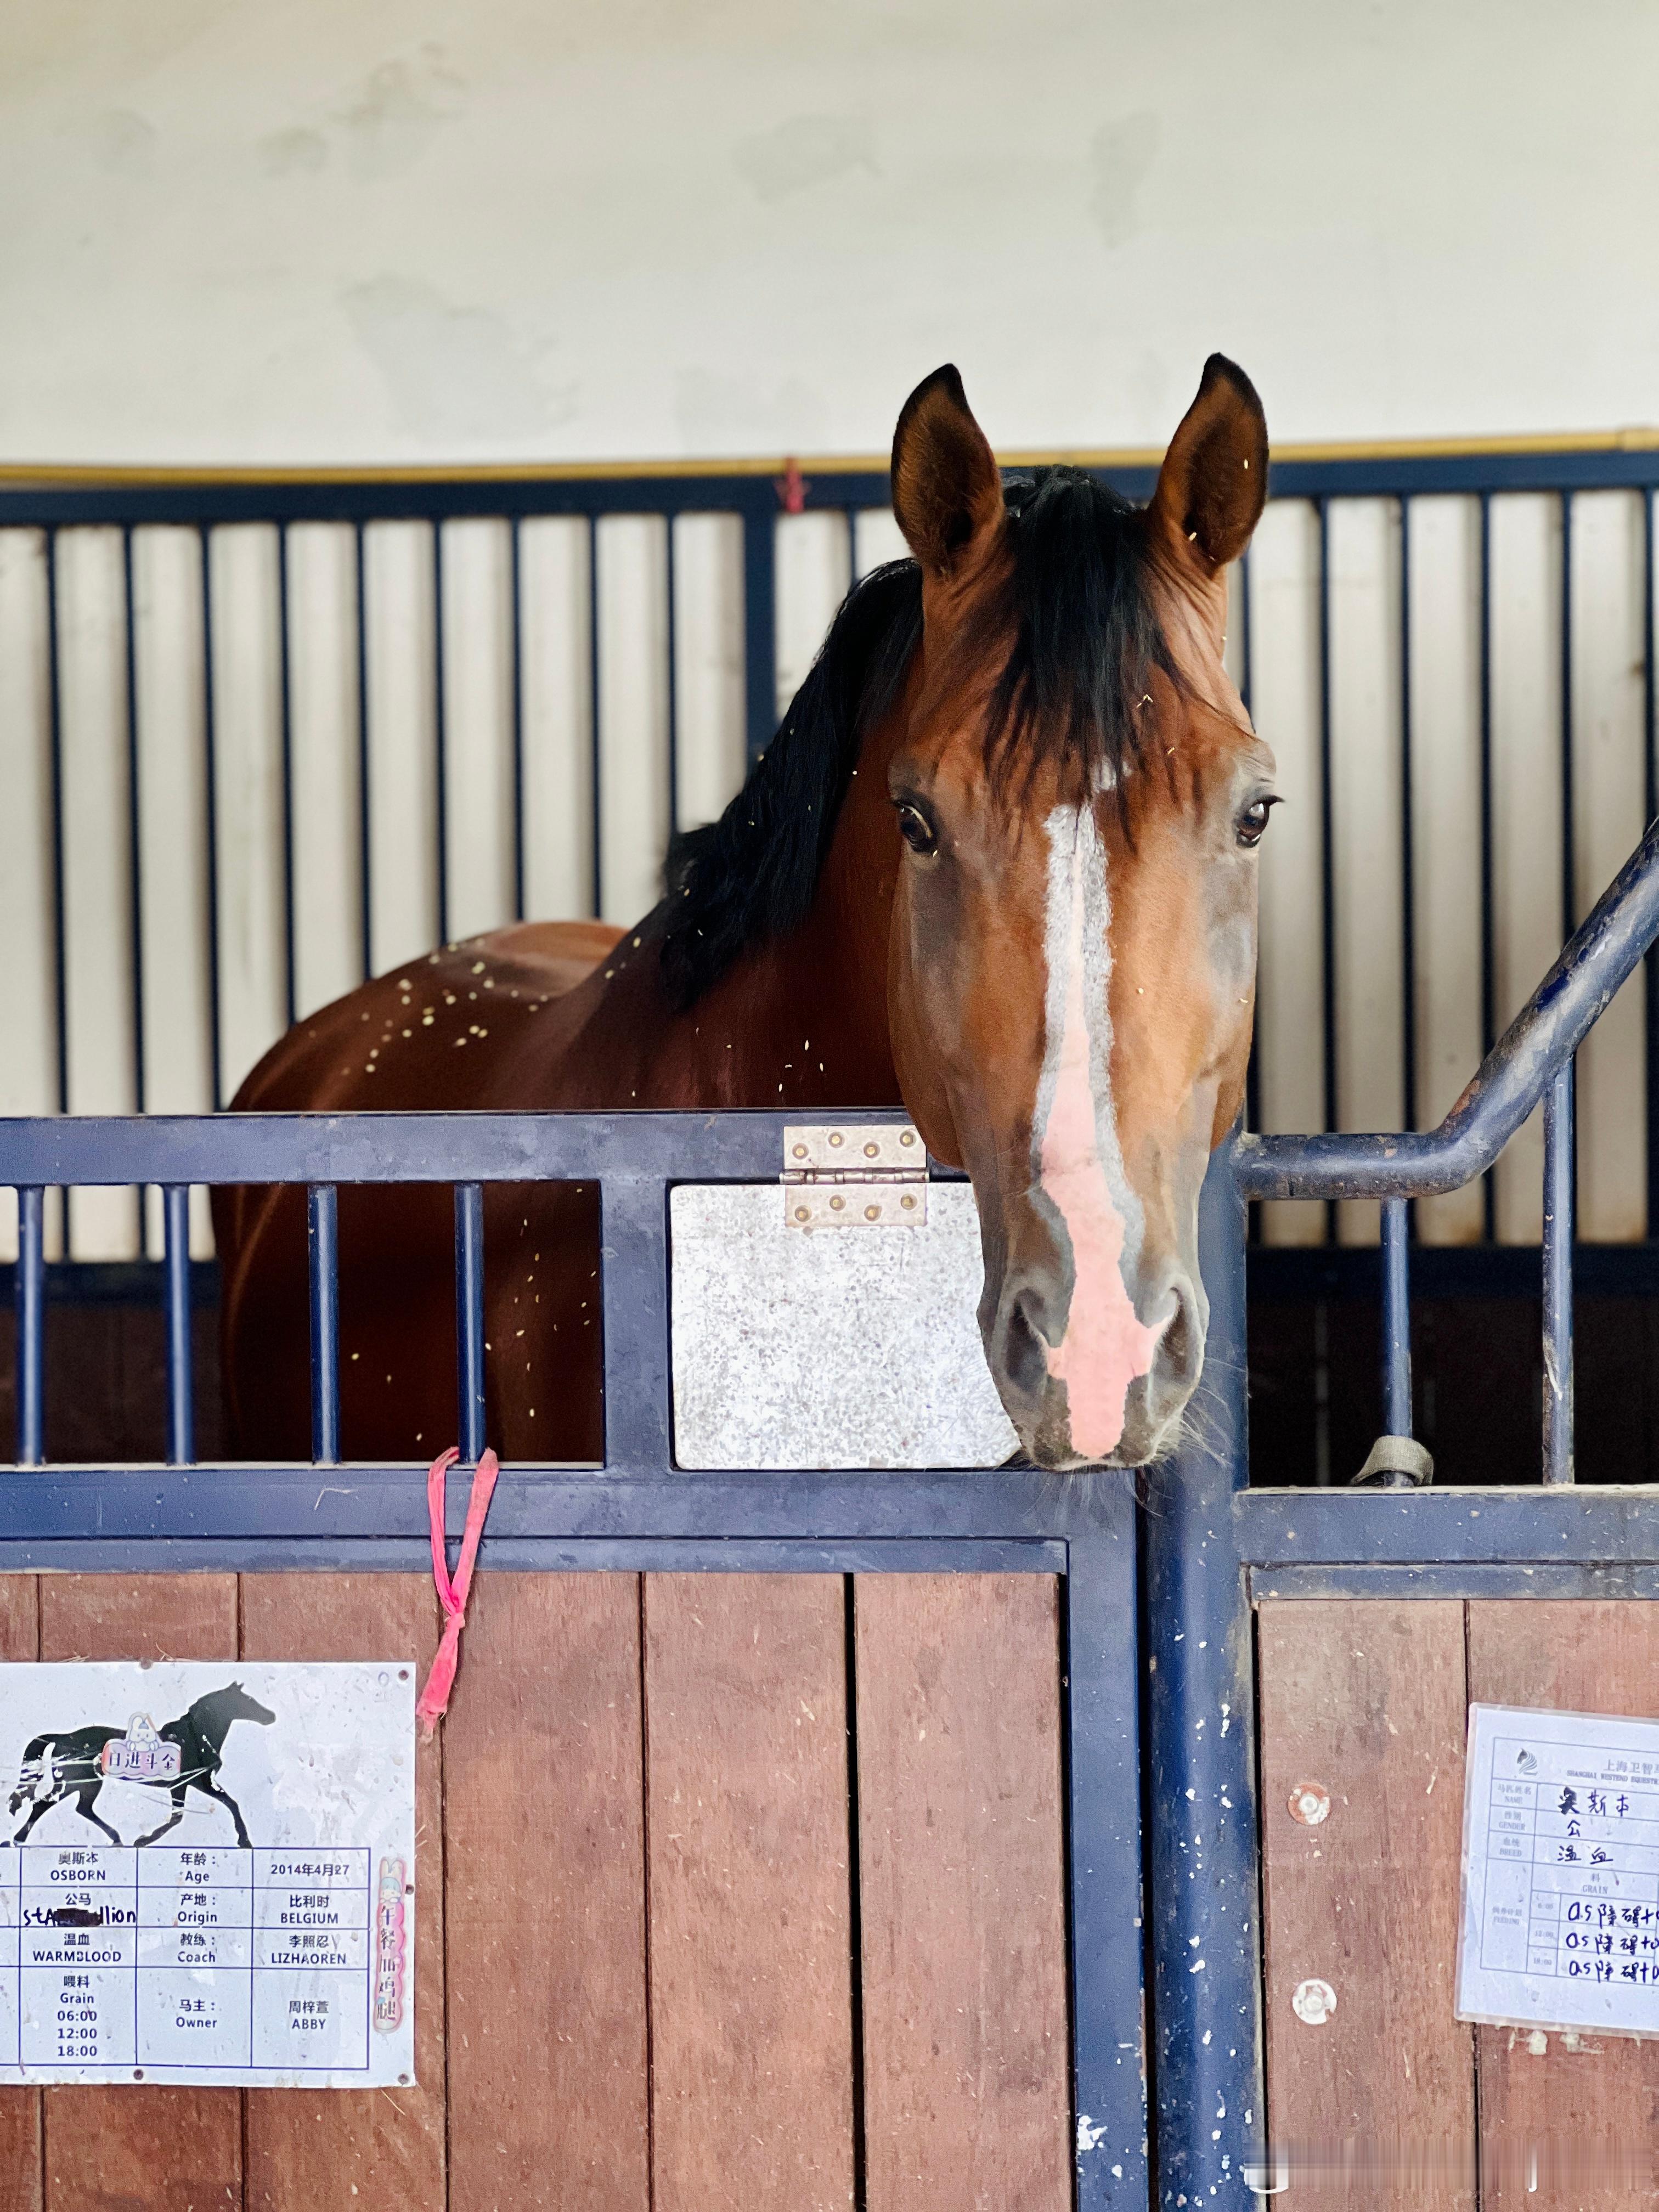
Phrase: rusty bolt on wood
(1310, 1803)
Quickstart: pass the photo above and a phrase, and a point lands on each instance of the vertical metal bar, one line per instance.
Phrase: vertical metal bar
(469, 1316)
(59, 884)
(135, 859)
(1327, 847)
(1558, 1278)
(365, 815)
(31, 1299)
(1253, 1067)
(1407, 868)
(1650, 808)
(1396, 1318)
(1246, 666)
(1102, 1672)
(284, 693)
(322, 1224)
(516, 647)
(634, 1234)
(759, 616)
(673, 692)
(852, 515)
(134, 843)
(440, 729)
(181, 1407)
(210, 797)
(1204, 1901)
(593, 720)
(1488, 930)
(1321, 1393)
(1569, 873)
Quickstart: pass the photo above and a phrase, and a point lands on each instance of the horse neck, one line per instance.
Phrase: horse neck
(209, 1723)
(805, 1016)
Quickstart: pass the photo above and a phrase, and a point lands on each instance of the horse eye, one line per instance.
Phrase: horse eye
(1254, 820)
(916, 830)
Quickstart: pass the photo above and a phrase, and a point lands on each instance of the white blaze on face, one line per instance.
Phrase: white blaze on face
(1106, 1345)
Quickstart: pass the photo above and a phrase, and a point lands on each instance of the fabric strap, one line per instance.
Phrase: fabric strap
(433, 1700)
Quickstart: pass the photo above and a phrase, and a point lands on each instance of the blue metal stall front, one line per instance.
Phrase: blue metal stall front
(1213, 1545)
(636, 1512)
(1164, 1640)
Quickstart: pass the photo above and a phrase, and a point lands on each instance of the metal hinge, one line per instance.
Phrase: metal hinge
(854, 1178)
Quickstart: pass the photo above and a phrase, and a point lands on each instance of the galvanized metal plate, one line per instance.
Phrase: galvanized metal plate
(823, 1350)
(868, 1149)
(890, 1204)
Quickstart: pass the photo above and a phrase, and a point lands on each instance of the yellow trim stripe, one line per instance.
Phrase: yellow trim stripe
(43, 473)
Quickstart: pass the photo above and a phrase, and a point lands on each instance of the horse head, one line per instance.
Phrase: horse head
(1072, 960)
(233, 1702)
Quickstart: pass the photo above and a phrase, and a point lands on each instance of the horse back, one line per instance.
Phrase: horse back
(461, 1029)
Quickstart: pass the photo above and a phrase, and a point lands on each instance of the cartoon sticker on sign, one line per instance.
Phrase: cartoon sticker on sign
(224, 1896)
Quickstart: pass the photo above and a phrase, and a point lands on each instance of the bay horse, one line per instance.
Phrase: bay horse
(997, 868)
(55, 1766)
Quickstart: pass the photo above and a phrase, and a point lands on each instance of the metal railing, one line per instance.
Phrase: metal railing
(637, 1510)
(1207, 1548)
(756, 497)
(1213, 1546)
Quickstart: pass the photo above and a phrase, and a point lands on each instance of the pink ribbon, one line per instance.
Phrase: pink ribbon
(433, 1700)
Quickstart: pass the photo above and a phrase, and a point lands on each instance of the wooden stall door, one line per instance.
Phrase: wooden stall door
(1374, 2087)
(732, 1890)
(22, 2184)
(1568, 2122)
(146, 2148)
(1370, 2080)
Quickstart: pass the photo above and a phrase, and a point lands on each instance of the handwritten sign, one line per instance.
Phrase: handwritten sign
(1560, 1921)
(207, 1874)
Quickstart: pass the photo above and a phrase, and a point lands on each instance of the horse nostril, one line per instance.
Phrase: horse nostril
(1025, 1351)
(1181, 1348)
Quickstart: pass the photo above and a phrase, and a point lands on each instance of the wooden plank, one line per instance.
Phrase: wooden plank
(1362, 1712)
(20, 2137)
(544, 1903)
(377, 2150)
(967, 2100)
(1566, 2121)
(747, 1847)
(140, 2149)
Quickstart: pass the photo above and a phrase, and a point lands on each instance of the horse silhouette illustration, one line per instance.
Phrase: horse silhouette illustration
(185, 1754)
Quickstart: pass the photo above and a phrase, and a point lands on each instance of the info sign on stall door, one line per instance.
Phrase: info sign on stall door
(1560, 1924)
(207, 1874)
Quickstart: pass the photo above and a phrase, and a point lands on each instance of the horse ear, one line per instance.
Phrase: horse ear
(947, 494)
(1213, 482)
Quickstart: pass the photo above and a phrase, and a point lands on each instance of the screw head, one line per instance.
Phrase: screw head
(871, 1151)
(800, 1152)
(872, 1213)
(803, 1213)
(1313, 2002)
(834, 1136)
(908, 1204)
(836, 1205)
(1310, 1803)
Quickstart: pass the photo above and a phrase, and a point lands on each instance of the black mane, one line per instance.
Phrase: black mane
(1078, 604)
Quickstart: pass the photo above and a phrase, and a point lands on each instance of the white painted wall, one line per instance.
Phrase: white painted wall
(352, 230)
(302, 232)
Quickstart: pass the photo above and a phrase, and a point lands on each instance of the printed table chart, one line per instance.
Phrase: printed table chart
(1561, 1870)
(153, 1961)
(208, 1873)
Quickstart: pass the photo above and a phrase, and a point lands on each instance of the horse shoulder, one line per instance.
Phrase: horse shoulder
(390, 1043)
(556, 955)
